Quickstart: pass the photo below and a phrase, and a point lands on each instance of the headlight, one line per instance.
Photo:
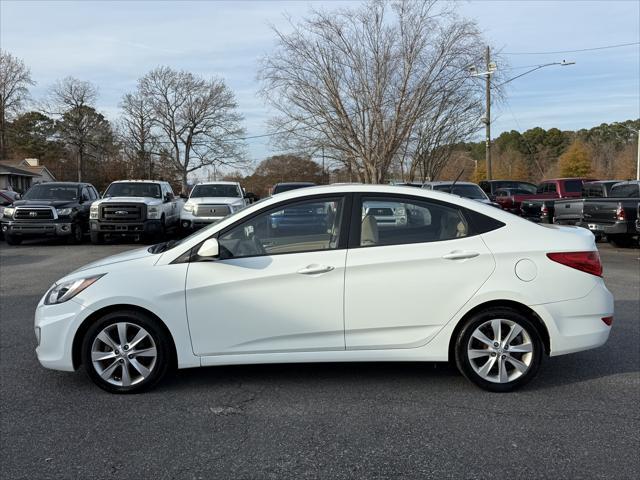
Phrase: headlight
(153, 213)
(189, 207)
(61, 292)
(93, 212)
(64, 212)
(8, 212)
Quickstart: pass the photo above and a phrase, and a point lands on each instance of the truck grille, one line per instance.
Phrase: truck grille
(33, 213)
(212, 210)
(132, 212)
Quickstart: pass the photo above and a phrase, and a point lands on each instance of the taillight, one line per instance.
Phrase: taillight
(588, 262)
(544, 210)
(620, 215)
(607, 320)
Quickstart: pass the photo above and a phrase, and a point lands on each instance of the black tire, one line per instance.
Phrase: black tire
(163, 346)
(77, 235)
(463, 342)
(621, 241)
(12, 239)
(97, 238)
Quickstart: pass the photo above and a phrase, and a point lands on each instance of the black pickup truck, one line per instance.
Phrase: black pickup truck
(569, 211)
(614, 216)
(55, 209)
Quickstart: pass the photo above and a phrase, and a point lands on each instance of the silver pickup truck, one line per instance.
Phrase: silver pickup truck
(142, 209)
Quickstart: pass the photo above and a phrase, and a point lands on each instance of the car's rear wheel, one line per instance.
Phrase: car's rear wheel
(499, 349)
(126, 352)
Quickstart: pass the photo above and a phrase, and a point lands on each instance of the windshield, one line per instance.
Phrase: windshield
(285, 187)
(215, 191)
(133, 189)
(467, 191)
(527, 187)
(573, 186)
(52, 192)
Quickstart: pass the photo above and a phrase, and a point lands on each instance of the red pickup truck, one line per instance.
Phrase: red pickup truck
(547, 190)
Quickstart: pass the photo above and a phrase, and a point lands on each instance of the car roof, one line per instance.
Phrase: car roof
(222, 182)
(449, 182)
(69, 184)
(295, 183)
(139, 181)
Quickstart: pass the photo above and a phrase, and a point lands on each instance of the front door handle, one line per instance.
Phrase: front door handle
(460, 255)
(314, 268)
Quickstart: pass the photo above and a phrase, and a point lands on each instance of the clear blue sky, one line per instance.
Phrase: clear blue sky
(113, 43)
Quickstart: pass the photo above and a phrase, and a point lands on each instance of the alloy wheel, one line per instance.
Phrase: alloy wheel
(123, 354)
(500, 350)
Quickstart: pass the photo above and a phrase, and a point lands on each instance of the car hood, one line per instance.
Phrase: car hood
(145, 200)
(45, 203)
(215, 200)
(128, 256)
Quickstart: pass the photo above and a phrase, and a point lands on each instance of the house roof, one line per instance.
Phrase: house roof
(11, 170)
(20, 164)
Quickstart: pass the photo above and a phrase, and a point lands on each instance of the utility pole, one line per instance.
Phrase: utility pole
(323, 175)
(487, 119)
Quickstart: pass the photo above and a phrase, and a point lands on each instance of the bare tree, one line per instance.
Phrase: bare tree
(15, 79)
(73, 100)
(197, 118)
(360, 81)
(136, 133)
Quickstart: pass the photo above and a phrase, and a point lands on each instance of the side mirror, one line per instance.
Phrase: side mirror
(18, 196)
(209, 249)
(183, 196)
(168, 197)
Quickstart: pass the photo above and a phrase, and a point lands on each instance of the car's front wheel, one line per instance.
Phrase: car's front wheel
(499, 349)
(126, 352)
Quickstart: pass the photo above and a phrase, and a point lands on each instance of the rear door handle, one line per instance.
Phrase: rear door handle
(314, 268)
(459, 255)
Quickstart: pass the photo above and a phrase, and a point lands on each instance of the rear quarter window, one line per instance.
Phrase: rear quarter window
(573, 186)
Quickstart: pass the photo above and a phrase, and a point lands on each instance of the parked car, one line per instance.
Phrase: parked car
(569, 211)
(491, 187)
(469, 282)
(53, 209)
(142, 209)
(287, 186)
(530, 206)
(616, 215)
(462, 189)
(210, 202)
(7, 197)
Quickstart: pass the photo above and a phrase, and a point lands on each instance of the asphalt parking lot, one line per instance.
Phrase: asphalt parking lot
(580, 418)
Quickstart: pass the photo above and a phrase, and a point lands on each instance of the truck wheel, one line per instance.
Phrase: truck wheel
(97, 238)
(621, 241)
(12, 239)
(76, 236)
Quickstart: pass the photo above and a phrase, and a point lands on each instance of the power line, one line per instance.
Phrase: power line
(573, 51)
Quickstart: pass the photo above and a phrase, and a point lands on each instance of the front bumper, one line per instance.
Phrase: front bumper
(55, 327)
(576, 325)
(126, 228)
(188, 221)
(52, 228)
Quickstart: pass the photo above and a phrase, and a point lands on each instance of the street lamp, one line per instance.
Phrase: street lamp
(638, 160)
(491, 67)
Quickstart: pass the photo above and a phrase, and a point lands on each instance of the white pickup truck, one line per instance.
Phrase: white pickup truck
(143, 209)
(210, 202)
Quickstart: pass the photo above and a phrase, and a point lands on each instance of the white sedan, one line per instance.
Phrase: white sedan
(458, 281)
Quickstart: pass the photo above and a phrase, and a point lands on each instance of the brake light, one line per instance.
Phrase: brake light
(620, 215)
(588, 262)
(544, 210)
(607, 320)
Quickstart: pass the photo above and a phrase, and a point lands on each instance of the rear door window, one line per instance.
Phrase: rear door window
(572, 186)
